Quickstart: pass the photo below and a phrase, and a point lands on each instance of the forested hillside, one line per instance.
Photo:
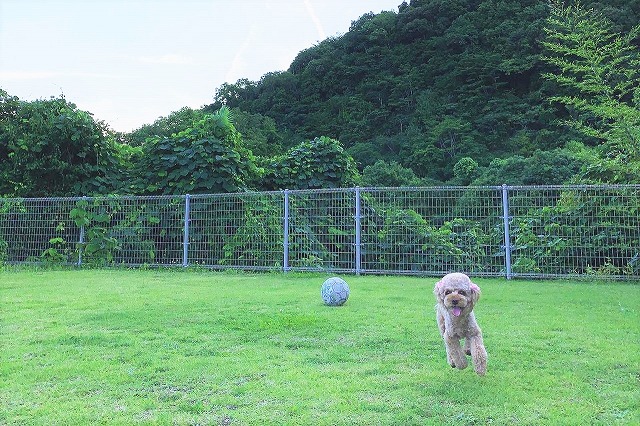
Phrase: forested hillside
(427, 86)
(454, 92)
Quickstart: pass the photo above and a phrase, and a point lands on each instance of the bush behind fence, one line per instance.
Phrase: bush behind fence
(528, 231)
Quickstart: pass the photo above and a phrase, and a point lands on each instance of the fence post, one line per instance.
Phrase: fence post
(81, 242)
(507, 237)
(285, 237)
(185, 240)
(358, 233)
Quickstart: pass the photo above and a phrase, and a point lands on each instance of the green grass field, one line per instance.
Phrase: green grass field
(120, 347)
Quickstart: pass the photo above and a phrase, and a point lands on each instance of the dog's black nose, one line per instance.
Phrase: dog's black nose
(454, 302)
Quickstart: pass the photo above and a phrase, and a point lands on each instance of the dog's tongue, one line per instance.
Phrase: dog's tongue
(457, 311)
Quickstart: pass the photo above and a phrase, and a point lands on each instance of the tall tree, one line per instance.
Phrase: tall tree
(598, 71)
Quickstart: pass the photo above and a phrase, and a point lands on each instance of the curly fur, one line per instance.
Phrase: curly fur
(456, 296)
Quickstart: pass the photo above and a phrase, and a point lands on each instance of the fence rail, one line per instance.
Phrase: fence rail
(511, 231)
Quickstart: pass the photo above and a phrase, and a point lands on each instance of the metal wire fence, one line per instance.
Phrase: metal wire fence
(512, 231)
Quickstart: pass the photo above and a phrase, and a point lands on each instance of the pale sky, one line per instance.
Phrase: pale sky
(130, 62)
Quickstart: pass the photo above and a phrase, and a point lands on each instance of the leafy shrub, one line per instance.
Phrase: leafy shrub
(320, 163)
(206, 158)
(389, 174)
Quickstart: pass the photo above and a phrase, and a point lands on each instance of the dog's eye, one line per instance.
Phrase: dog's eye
(462, 293)
(447, 292)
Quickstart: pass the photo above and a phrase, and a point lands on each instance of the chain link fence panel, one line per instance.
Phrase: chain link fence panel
(512, 231)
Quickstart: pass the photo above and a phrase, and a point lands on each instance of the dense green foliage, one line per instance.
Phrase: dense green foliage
(461, 92)
(320, 163)
(434, 83)
(49, 147)
(567, 230)
(599, 71)
(458, 92)
(205, 158)
(390, 174)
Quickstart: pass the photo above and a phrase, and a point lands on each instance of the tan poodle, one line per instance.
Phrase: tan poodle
(456, 296)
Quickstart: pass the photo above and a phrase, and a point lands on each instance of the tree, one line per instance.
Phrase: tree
(175, 122)
(206, 158)
(598, 70)
(464, 171)
(555, 167)
(231, 94)
(49, 147)
(442, 145)
(259, 133)
(453, 78)
(319, 163)
(391, 174)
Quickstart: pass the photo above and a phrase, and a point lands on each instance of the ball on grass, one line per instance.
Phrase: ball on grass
(335, 291)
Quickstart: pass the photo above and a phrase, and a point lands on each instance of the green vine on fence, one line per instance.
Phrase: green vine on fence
(571, 231)
(98, 245)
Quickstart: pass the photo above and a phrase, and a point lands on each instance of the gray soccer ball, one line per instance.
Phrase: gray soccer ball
(335, 291)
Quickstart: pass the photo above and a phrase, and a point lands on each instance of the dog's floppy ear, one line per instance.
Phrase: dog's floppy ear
(475, 292)
(438, 286)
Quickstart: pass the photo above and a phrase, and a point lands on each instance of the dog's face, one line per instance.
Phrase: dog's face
(457, 293)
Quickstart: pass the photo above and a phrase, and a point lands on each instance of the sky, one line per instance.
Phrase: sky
(129, 62)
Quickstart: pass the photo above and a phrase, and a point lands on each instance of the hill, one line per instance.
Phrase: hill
(427, 86)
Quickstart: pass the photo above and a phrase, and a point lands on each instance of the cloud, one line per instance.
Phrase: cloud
(47, 75)
(29, 75)
(315, 19)
(171, 59)
(238, 64)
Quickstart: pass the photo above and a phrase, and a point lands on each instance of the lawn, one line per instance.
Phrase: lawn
(120, 347)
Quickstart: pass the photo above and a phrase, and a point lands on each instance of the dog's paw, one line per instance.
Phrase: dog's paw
(467, 351)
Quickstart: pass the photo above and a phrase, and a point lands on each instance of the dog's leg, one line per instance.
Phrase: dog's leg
(467, 349)
(450, 360)
(478, 354)
(442, 328)
(455, 355)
